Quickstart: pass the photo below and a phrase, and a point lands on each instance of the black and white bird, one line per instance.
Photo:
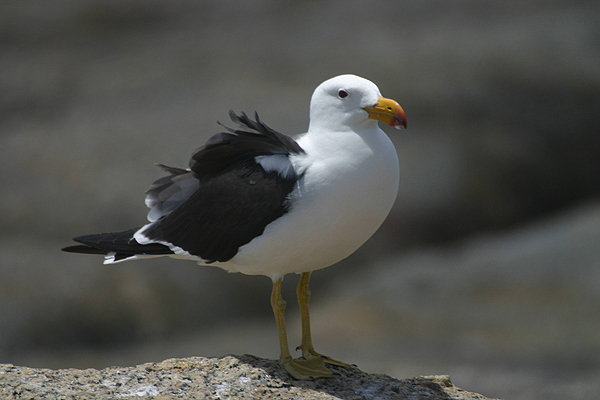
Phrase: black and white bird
(258, 202)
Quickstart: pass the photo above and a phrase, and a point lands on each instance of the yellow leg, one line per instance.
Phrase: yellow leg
(308, 351)
(299, 369)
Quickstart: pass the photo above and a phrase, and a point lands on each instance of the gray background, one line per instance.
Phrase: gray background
(488, 268)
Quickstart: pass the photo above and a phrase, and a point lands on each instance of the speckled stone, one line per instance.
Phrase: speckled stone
(229, 377)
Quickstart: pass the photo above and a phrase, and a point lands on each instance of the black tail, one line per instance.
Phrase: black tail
(121, 243)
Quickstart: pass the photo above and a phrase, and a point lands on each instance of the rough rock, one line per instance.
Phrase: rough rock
(229, 377)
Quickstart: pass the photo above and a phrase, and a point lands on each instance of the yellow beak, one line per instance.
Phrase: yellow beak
(389, 112)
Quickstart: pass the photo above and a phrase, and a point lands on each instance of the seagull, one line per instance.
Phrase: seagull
(259, 202)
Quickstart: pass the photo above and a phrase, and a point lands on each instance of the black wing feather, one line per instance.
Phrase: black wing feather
(227, 148)
(119, 242)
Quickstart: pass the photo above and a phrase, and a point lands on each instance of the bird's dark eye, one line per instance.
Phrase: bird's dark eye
(342, 93)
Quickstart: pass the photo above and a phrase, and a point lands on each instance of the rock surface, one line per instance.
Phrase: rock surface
(229, 377)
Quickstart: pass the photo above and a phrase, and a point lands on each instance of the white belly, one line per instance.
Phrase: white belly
(336, 207)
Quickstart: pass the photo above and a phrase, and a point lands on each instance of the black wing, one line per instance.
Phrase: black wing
(226, 199)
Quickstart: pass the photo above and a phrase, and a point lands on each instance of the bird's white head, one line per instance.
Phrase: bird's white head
(347, 101)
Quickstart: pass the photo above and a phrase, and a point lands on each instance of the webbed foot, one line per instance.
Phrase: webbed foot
(311, 353)
(309, 369)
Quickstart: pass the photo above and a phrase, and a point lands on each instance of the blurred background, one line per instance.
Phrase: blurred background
(488, 268)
